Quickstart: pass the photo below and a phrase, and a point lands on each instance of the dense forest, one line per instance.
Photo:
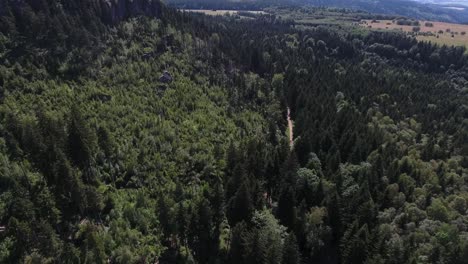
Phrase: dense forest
(131, 132)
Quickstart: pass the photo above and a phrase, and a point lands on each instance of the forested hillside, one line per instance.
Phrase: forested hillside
(134, 133)
(438, 11)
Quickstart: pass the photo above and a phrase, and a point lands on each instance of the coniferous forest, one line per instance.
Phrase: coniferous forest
(131, 132)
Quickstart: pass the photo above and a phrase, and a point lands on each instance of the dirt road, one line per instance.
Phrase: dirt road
(290, 128)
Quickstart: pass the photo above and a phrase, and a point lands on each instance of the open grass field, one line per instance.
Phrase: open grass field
(440, 32)
(220, 12)
(317, 16)
(310, 17)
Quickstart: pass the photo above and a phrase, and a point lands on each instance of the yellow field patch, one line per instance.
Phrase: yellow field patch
(442, 33)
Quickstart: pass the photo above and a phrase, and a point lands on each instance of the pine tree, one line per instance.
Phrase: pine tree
(291, 254)
(355, 244)
(82, 143)
(237, 250)
(287, 208)
(202, 241)
(241, 206)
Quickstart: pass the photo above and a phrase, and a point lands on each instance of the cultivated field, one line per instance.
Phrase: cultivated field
(440, 32)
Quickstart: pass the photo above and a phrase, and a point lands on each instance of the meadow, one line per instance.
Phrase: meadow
(436, 32)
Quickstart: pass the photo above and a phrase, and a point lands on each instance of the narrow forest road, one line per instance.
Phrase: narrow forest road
(290, 128)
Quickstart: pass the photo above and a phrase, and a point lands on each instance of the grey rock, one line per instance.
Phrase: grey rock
(166, 77)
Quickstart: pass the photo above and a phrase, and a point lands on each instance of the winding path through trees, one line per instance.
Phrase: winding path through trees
(290, 128)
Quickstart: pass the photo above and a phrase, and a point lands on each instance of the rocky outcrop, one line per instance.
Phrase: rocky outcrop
(114, 11)
(166, 77)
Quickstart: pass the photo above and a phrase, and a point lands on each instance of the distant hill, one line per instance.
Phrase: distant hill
(444, 2)
(446, 11)
(429, 11)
